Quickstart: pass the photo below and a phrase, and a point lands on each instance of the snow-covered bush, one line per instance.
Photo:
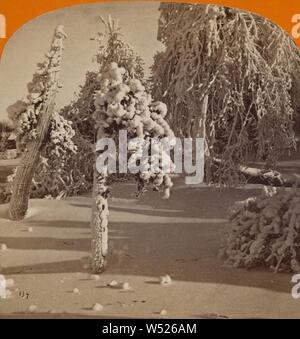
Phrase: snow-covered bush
(6, 130)
(265, 231)
(5, 193)
(51, 173)
(49, 178)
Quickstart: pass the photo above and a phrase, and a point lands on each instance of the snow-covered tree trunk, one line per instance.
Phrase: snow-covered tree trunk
(99, 221)
(25, 171)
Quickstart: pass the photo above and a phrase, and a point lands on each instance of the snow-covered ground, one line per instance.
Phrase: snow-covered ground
(149, 238)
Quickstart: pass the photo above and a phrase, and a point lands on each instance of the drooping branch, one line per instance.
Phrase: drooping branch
(265, 177)
(221, 54)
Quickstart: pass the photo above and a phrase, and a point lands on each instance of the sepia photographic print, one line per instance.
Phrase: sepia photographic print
(149, 166)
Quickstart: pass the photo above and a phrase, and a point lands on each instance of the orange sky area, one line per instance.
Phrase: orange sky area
(18, 12)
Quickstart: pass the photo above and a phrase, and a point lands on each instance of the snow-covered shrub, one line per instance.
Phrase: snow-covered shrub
(5, 193)
(265, 231)
(61, 135)
(51, 173)
(49, 179)
(77, 169)
(6, 130)
(6, 188)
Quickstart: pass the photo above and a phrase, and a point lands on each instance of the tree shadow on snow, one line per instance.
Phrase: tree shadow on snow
(187, 252)
(179, 237)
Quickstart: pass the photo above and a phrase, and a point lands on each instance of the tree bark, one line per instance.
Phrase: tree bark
(100, 213)
(201, 133)
(99, 223)
(25, 171)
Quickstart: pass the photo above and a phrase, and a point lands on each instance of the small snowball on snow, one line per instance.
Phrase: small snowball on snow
(163, 312)
(3, 247)
(165, 280)
(32, 308)
(76, 291)
(126, 286)
(86, 266)
(113, 283)
(95, 277)
(97, 307)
